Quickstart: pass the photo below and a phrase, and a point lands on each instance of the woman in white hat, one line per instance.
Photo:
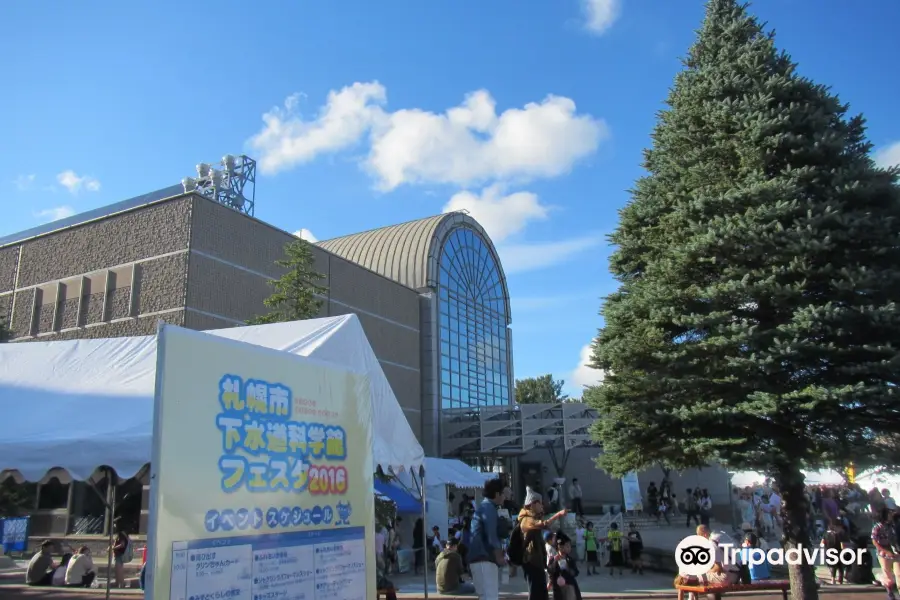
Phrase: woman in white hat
(533, 524)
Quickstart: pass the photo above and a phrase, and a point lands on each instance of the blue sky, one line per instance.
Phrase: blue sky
(345, 105)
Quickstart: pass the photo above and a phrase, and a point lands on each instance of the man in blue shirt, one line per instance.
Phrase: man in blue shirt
(485, 552)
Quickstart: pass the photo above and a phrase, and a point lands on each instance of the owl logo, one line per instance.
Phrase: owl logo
(344, 510)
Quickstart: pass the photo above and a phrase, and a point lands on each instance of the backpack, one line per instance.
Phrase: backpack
(515, 550)
(128, 555)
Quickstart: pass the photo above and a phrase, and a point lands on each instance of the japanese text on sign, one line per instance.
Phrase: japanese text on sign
(264, 450)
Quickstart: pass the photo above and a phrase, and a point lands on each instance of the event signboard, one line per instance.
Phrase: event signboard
(14, 534)
(631, 492)
(261, 475)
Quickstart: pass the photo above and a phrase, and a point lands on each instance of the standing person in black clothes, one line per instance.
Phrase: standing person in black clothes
(652, 499)
(635, 548)
(563, 571)
(836, 539)
(691, 508)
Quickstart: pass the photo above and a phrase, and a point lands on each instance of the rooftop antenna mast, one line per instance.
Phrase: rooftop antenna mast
(231, 182)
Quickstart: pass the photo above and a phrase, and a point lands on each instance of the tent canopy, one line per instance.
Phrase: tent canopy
(440, 472)
(449, 471)
(404, 501)
(80, 404)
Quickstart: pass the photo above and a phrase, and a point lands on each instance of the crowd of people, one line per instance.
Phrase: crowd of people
(663, 503)
(497, 540)
(76, 569)
(836, 513)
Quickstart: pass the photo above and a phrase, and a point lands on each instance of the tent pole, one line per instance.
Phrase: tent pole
(425, 528)
(110, 474)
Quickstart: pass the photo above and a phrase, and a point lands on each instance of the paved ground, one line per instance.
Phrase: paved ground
(649, 584)
(8, 593)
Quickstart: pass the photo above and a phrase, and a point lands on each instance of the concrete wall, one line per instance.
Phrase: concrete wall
(232, 259)
(111, 277)
(600, 489)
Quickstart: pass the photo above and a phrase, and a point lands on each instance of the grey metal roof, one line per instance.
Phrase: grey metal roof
(398, 252)
(408, 253)
(97, 213)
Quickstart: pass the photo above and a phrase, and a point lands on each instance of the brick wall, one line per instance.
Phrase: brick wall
(106, 278)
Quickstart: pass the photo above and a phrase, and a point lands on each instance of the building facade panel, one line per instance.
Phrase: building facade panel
(9, 257)
(236, 238)
(145, 325)
(5, 308)
(368, 291)
(22, 312)
(403, 382)
(162, 283)
(225, 290)
(151, 231)
(201, 322)
(430, 374)
(390, 342)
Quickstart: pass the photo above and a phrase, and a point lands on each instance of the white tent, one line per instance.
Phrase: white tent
(80, 404)
(439, 474)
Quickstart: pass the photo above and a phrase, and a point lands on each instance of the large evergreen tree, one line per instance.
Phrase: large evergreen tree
(295, 296)
(759, 266)
(540, 390)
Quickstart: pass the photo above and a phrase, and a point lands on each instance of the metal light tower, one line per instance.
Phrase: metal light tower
(232, 182)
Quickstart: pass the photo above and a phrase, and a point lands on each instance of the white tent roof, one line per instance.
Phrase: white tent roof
(440, 472)
(81, 404)
(449, 471)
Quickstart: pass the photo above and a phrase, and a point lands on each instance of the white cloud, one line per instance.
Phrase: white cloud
(75, 183)
(306, 234)
(500, 215)
(888, 156)
(55, 214)
(518, 258)
(467, 144)
(23, 183)
(287, 140)
(471, 143)
(601, 14)
(584, 374)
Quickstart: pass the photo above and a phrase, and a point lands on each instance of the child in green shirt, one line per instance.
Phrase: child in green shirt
(590, 549)
(614, 544)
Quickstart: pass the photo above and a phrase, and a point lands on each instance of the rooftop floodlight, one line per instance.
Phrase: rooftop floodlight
(231, 182)
(218, 177)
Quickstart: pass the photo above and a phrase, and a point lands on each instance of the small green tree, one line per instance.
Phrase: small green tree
(756, 322)
(16, 499)
(294, 298)
(540, 390)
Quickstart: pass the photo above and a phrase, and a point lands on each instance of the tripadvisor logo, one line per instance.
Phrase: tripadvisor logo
(695, 555)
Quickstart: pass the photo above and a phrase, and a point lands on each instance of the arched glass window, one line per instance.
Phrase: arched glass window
(473, 335)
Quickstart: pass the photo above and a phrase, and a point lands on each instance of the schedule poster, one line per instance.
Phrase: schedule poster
(261, 477)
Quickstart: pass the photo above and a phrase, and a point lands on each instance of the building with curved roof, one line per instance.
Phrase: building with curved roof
(466, 342)
(409, 253)
(431, 295)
